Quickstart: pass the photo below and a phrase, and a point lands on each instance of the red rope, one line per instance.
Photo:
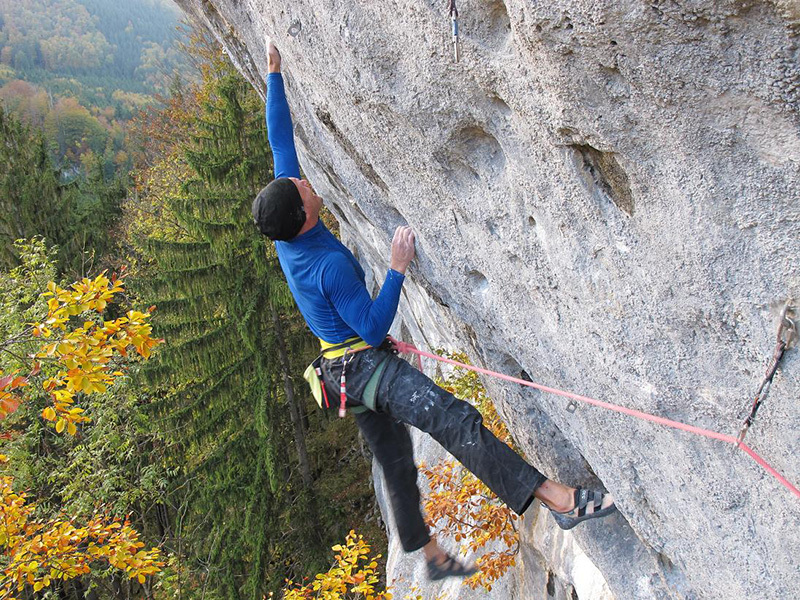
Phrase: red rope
(405, 348)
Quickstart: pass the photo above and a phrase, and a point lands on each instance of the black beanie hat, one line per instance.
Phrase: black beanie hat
(278, 210)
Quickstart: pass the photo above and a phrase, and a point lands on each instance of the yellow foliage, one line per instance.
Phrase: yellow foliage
(86, 353)
(352, 577)
(37, 553)
(461, 505)
(34, 552)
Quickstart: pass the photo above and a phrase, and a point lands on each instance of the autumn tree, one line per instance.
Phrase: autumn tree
(461, 505)
(73, 130)
(51, 365)
(353, 576)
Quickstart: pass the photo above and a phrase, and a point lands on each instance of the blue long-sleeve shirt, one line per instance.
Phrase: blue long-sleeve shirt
(324, 277)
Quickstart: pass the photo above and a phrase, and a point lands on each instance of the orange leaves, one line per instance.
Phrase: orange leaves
(354, 571)
(491, 567)
(9, 402)
(461, 505)
(38, 553)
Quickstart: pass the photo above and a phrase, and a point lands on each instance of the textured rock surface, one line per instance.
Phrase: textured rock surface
(605, 196)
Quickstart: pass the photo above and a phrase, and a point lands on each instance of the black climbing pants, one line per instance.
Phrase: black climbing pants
(407, 396)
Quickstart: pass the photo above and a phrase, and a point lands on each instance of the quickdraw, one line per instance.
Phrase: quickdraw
(454, 20)
(343, 387)
(787, 331)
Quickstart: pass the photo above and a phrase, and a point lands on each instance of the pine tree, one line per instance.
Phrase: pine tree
(95, 207)
(229, 150)
(221, 307)
(77, 217)
(31, 200)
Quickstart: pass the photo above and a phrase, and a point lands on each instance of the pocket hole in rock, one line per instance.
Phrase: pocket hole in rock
(488, 23)
(472, 154)
(605, 173)
(511, 367)
(499, 106)
(551, 584)
(477, 282)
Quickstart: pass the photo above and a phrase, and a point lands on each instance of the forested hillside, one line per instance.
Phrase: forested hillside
(81, 69)
(73, 73)
(101, 38)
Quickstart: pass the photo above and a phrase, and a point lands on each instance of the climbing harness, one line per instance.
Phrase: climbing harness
(787, 331)
(454, 20)
(405, 348)
(313, 373)
(352, 349)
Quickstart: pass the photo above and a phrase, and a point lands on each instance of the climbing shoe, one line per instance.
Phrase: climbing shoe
(588, 505)
(449, 568)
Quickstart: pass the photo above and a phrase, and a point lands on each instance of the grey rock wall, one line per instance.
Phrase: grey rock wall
(605, 196)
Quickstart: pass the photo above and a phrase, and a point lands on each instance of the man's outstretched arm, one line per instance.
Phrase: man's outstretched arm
(279, 120)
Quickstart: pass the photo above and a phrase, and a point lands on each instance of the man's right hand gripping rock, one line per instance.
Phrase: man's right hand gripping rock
(273, 58)
(402, 248)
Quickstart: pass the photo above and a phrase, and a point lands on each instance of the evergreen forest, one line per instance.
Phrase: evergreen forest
(211, 450)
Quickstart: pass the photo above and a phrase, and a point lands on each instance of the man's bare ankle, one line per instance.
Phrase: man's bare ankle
(557, 496)
(434, 553)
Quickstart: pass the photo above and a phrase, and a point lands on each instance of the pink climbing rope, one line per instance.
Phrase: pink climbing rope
(405, 348)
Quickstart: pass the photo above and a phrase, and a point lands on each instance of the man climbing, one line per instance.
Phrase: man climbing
(384, 392)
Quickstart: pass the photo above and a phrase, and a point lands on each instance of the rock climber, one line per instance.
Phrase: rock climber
(384, 392)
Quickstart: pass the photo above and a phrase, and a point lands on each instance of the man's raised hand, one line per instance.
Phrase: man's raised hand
(273, 58)
(402, 248)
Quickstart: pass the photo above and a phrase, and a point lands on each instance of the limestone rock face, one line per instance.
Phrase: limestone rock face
(605, 196)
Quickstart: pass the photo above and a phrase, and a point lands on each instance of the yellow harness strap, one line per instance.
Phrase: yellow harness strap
(351, 345)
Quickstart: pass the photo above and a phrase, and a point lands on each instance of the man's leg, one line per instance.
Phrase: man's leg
(411, 397)
(390, 443)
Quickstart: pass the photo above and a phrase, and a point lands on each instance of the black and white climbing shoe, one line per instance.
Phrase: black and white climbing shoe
(588, 505)
(449, 568)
